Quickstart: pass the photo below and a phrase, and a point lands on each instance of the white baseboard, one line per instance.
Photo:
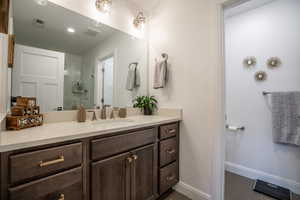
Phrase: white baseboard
(191, 192)
(256, 174)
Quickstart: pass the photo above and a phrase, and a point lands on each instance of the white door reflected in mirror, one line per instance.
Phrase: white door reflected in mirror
(104, 80)
(39, 73)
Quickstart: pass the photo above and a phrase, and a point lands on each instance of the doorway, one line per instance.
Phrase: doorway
(39, 73)
(104, 87)
(252, 38)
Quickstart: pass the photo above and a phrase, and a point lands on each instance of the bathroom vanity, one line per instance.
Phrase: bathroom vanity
(79, 61)
(139, 162)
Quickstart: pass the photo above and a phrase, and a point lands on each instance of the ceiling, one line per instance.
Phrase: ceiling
(54, 35)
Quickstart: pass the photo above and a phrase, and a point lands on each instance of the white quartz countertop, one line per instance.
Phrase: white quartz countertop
(63, 131)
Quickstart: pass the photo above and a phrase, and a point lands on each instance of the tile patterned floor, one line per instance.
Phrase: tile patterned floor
(240, 188)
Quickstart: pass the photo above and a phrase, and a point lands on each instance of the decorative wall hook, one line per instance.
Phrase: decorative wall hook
(260, 76)
(249, 61)
(274, 62)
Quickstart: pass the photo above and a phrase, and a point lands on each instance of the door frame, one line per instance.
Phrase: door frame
(99, 60)
(218, 171)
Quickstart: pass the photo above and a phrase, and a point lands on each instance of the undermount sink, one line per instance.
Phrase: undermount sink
(112, 121)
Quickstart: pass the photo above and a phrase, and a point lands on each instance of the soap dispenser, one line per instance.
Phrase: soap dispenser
(81, 114)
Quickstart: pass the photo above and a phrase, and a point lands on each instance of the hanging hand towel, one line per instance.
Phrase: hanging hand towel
(133, 77)
(286, 117)
(160, 74)
(137, 77)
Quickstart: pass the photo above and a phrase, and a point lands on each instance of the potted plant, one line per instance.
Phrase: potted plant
(147, 104)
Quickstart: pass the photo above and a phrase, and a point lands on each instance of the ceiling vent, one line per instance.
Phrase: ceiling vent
(38, 23)
(92, 32)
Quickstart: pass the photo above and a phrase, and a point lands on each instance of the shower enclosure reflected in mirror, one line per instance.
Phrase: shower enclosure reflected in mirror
(65, 59)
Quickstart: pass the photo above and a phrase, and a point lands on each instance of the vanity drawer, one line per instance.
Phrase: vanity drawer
(168, 177)
(66, 185)
(44, 162)
(168, 151)
(167, 131)
(105, 147)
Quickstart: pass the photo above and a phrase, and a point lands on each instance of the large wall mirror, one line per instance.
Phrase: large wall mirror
(66, 60)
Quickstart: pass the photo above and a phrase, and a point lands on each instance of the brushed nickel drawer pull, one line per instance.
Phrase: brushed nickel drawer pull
(170, 178)
(135, 157)
(61, 197)
(171, 151)
(52, 162)
(172, 130)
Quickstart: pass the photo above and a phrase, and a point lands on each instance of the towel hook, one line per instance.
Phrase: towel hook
(165, 56)
(134, 63)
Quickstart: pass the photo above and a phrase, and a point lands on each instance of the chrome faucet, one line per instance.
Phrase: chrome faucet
(94, 115)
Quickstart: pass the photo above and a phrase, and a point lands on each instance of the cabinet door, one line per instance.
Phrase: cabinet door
(110, 178)
(144, 173)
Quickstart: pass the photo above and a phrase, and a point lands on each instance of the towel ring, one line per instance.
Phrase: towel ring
(165, 56)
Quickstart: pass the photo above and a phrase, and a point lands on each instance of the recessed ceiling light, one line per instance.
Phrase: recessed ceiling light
(42, 2)
(71, 30)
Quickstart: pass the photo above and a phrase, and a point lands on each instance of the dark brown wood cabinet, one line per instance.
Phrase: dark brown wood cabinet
(129, 176)
(110, 178)
(168, 156)
(66, 185)
(132, 165)
(144, 173)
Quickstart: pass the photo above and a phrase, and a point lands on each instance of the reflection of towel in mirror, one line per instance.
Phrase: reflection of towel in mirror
(133, 77)
(160, 74)
(286, 117)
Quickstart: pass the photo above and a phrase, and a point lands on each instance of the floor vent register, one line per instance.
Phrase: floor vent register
(272, 190)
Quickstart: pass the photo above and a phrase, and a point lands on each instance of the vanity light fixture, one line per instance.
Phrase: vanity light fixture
(103, 5)
(140, 20)
(71, 30)
(274, 62)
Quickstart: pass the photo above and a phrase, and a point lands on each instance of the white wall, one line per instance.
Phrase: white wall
(188, 32)
(126, 50)
(271, 30)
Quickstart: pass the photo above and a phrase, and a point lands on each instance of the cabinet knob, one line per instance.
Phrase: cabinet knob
(171, 151)
(170, 178)
(135, 157)
(129, 159)
(61, 197)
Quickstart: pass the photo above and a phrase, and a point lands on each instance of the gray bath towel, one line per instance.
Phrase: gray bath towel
(285, 117)
(160, 74)
(133, 77)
